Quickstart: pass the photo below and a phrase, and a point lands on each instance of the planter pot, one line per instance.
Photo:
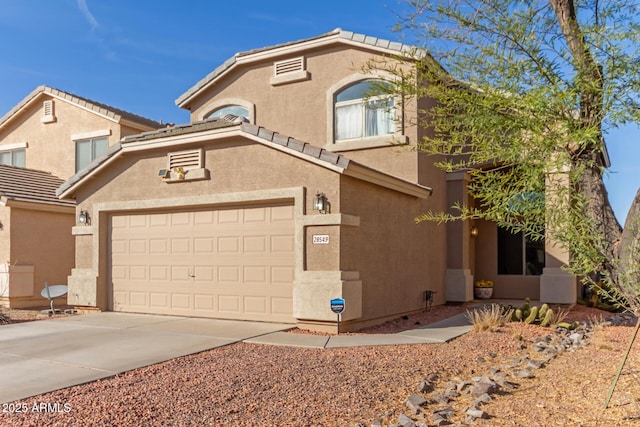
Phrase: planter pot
(483, 293)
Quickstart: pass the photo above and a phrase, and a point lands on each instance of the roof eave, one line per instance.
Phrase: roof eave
(336, 36)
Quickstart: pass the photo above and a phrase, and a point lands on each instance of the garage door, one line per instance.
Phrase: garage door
(226, 263)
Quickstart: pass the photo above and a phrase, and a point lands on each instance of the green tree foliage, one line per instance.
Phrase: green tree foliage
(526, 92)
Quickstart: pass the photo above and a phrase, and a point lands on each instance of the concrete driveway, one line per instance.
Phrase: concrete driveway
(42, 356)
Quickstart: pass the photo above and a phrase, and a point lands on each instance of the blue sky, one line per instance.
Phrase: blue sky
(141, 55)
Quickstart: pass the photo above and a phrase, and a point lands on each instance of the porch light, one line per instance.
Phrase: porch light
(474, 231)
(83, 217)
(320, 203)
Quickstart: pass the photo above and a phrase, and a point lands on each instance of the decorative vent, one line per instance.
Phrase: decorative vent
(48, 115)
(289, 71)
(288, 66)
(191, 159)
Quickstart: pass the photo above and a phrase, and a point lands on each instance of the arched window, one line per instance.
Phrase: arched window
(235, 110)
(361, 114)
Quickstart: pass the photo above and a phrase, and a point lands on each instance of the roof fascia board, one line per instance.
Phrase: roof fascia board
(393, 183)
(168, 141)
(115, 119)
(37, 206)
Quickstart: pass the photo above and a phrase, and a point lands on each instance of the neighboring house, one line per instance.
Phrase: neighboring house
(290, 187)
(48, 137)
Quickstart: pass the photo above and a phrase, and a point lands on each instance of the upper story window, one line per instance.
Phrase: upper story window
(359, 114)
(13, 157)
(87, 150)
(236, 110)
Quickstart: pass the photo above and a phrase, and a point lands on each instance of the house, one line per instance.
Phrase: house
(289, 187)
(45, 139)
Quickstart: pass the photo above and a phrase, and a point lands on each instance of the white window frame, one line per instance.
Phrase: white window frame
(14, 148)
(395, 138)
(92, 141)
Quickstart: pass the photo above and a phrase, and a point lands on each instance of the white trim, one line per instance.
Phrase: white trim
(331, 109)
(14, 146)
(90, 135)
(368, 142)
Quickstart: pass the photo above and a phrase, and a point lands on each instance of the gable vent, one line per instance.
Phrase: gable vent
(47, 112)
(289, 66)
(289, 71)
(191, 159)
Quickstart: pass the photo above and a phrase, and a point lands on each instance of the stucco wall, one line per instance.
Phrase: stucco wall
(397, 259)
(43, 240)
(486, 267)
(303, 109)
(50, 145)
(235, 166)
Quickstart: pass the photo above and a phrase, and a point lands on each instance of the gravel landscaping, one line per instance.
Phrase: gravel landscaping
(255, 385)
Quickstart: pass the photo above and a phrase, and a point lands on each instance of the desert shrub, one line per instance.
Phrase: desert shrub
(488, 318)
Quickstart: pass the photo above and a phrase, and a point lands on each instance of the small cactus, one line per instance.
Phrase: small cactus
(517, 315)
(546, 320)
(543, 311)
(533, 315)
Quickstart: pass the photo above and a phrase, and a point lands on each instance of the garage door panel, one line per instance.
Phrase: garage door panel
(230, 263)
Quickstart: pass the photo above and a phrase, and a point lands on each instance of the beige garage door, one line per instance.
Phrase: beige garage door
(226, 263)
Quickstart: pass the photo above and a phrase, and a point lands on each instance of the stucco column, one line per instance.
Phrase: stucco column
(556, 284)
(458, 279)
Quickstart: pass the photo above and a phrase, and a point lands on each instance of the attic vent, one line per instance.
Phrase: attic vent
(289, 70)
(47, 112)
(191, 159)
(288, 66)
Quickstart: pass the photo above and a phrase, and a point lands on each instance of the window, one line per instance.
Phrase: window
(517, 254)
(235, 110)
(88, 150)
(13, 157)
(360, 115)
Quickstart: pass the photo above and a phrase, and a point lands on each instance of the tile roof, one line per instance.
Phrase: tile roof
(320, 156)
(339, 33)
(103, 109)
(259, 131)
(30, 185)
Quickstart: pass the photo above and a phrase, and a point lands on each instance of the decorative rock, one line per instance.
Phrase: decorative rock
(525, 373)
(447, 412)
(415, 402)
(477, 413)
(425, 387)
(484, 385)
(485, 398)
(405, 421)
(376, 423)
(439, 398)
(535, 364)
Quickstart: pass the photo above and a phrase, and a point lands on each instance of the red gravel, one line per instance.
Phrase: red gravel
(254, 385)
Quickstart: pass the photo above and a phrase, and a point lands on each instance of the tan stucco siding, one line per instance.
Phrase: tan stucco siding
(486, 267)
(303, 109)
(234, 166)
(51, 146)
(397, 259)
(43, 240)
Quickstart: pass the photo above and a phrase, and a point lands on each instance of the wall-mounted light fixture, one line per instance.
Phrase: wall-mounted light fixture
(84, 218)
(474, 231)
(321, 204)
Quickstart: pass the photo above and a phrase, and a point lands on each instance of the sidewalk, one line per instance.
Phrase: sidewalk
(438, 332)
